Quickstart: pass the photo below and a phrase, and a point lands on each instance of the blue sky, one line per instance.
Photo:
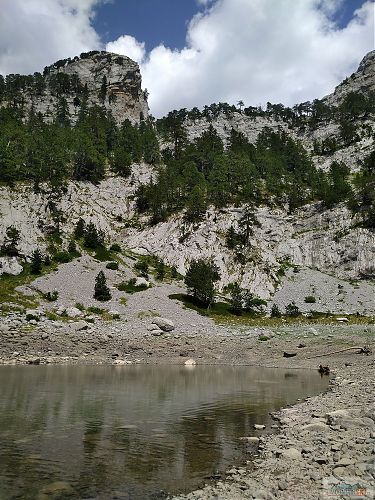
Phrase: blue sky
(165, 21)
(285, 51)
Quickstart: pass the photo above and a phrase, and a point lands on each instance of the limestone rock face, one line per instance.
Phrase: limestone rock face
(363, 81)
(123, 95)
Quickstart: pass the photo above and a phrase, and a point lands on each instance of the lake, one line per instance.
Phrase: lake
(132, 432)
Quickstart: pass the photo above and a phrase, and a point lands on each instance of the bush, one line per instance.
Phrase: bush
(142, 267)
(62, 257)
(72, 248)
(101, 290)
(160, 270)
(131, 287)
(112, 265)
(275, 311)
(79, 306)
(51, 296)
(310, 299)
(292, 310)
(115, 247)
(174, 273)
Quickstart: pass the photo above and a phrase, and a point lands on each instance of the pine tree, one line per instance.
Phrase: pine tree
(79, 229)
(36, 262)
(9, 247)
(200, 279)
(160, 270)
(236, 299)
(101, 290)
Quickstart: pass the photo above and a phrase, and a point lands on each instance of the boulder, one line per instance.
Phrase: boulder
(259, 427)
(140, 281)
(190, 362)
(164, 324)
(79, 326)
(316, 426)
(10, 265)
(73, 312)
(292, 454)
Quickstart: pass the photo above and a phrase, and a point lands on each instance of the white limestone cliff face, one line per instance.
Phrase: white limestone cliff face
(322, 243)
(109, 205)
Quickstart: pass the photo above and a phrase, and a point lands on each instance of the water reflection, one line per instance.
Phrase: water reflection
(129, 432)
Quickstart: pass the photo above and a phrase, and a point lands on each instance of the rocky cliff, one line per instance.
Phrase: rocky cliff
(94, 78)
(311, 252)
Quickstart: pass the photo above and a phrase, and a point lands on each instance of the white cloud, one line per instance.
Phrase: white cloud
(129, 46)
(35, 33)
(258, 50)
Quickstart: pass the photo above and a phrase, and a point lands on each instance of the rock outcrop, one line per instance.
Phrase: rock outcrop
(94, 78)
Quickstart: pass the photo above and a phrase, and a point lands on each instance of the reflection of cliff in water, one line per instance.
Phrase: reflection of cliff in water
(133, 430)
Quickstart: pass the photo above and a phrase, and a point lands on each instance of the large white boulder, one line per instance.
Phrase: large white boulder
(164, 324)
(10, 265)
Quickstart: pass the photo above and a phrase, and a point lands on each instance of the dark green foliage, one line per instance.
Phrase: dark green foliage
(275, 311)
(142, 267)
(200, 279)
(160, 270)
(292, 310)
(93, 237)
(57, 152)
(72, 248)
(236, 299)
(36, 263)
(112, 265)
(11, 240)
(310, 299)
(174, 273)
(51, 296)
(365, 196)
(79, 229)
(115, 247)
(63, 257)
(131, 287)
(334, 186)
(101, 290)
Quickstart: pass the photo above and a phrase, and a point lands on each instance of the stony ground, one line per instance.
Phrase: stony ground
(323, 443)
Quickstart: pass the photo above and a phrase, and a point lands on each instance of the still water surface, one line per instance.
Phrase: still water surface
(106, 432)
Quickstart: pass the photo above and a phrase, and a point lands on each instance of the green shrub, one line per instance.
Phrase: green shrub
(263, 338)
(275, 311)
(112, 265)
(62, 257)
(51, 296)
(115, 247)
(292, 310)
(142, 267)
(79, 306)
(131, 287)
(310, 299)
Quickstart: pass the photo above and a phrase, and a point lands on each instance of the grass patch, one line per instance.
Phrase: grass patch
(218, 309)
(220, 312)
(103, 254)
(147, 314)
(18, 300)
(123, 301)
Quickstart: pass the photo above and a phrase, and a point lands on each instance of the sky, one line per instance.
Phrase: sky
(195, 52)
